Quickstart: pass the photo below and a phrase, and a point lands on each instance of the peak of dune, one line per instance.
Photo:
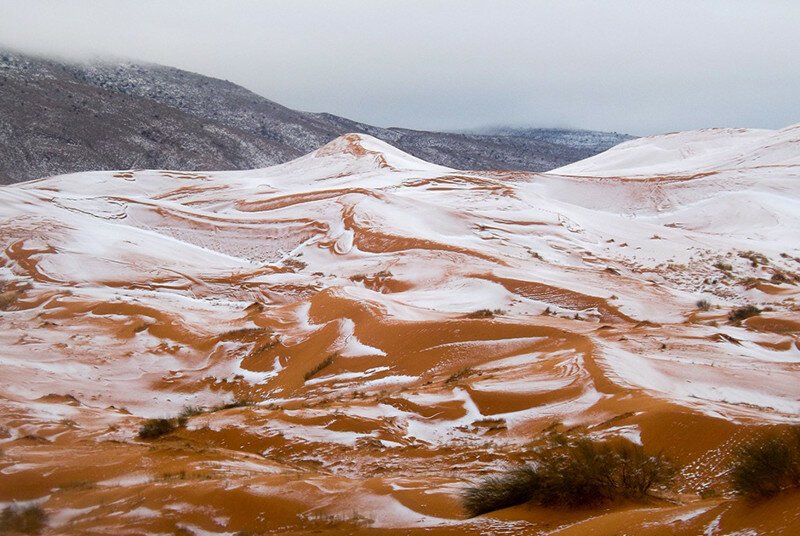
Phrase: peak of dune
(354, 336)
(375, 152)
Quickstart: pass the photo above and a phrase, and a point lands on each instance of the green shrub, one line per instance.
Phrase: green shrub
(238, 403)
(740, 313)
(328, 361)
(703, 305)
(778, 278)
(23, 519)
(768, 464)
(574, 474)
(459, 375)
(153, 428)
(485, 313)
(190, 411)
(516, 486)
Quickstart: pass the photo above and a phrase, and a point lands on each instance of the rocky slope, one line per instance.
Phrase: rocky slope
(57, 118)
(360, 334)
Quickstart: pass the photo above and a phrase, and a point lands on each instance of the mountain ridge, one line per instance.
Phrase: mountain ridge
(58, 117)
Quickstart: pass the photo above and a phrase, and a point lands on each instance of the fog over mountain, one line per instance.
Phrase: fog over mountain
(58, 117)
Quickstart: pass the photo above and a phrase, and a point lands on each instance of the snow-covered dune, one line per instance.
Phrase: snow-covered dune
(693, 152)
(396, 328)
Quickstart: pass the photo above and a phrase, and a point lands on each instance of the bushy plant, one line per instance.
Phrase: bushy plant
(154, 428)
(515, 486)
(577, 473)
(740, 313)
(237, 403)
(485, 313)
(190, 411)
(328, 361)
(768, 464)
(23, 519)
(703, 305)
(459, 375)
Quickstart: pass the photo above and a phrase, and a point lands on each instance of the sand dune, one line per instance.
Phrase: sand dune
(397, 329)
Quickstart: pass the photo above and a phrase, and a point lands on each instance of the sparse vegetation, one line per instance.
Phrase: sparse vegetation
(336, 521)
(155, 428)
(768, 464)
(328, 361)
(23, 519)
(724, 266)
(485, 313)
(573, 474)
(740, 313)
(190, 411)
(755, 258)
(243, 334)
(237, 403)
(778, 278)
(703, 305)
(459, 375)
(8, 298)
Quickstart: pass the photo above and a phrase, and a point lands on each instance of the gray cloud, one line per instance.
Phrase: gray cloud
(639, 67)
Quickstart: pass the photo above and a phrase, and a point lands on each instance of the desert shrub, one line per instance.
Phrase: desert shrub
(8, 298)
(724, 266)
(25, 519)
(740, 313)
(768, 464)
(754, 258)
(190, 411)
(153, 428)
(703, 305)
(574, 474)
(238, 403)
(328, 361)
(516, 486)
(485, 313)
(778, 278)
(460, 374)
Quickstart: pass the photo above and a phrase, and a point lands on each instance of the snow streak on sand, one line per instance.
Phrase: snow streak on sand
(360, 332)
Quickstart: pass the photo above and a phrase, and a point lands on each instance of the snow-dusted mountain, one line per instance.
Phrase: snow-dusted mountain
(591, 141)
(393, 329)
(57, 118)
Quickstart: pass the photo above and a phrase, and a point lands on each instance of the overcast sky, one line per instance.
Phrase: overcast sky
(638, 66)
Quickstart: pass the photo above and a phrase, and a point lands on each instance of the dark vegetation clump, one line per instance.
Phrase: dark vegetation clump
(573, 474)
(485, 313)
(768, 464)
(724, 266)
(238, 403)
(755, 258)
(154, 428)
(459, 375)
(190, 411)
(703, 305)
(778, 278)
(515, 486)
(23, 519)
(328, 361)
(740, 313)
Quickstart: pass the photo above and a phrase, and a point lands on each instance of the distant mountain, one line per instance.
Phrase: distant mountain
(594, 141)
(58, 117)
